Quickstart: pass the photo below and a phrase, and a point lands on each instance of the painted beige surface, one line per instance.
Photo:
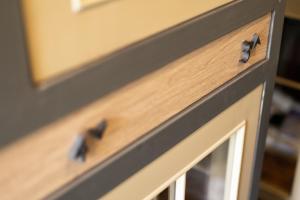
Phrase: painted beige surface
(152, 179)
(40, 162)
(293, 9)
(61, 40)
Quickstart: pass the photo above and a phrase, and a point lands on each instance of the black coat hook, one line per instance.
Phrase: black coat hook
(248, 47)
(79, 149)
(98, 131)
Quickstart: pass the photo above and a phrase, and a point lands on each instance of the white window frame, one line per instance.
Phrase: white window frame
(233, 169)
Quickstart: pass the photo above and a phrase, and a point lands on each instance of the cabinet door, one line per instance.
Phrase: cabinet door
(214, 162)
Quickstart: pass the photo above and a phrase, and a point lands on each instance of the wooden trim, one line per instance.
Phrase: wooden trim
(178, 160)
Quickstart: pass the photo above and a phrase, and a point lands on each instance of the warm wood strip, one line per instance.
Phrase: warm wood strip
(38, 164)
(61, 40)
(287, 83)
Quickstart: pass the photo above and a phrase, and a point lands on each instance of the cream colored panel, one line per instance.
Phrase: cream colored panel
(167, 168)
(61, 40)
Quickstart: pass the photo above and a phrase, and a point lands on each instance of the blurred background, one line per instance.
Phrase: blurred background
(281, 168)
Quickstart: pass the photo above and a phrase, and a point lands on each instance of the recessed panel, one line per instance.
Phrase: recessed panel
(64, 35)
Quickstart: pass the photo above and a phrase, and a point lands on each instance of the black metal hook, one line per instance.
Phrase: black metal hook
(79, 148)
(98, 131)
(248, 47)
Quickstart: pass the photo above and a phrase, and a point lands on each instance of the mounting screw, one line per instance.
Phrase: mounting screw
(98, 131)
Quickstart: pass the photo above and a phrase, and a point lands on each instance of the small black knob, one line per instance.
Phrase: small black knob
(79, 149)
(98, 131)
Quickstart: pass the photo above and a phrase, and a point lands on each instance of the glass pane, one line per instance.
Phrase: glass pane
(206, 180)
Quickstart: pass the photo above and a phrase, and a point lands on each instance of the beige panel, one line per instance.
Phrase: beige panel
(293, 9)
(162, 172)
(131, 112)
(61, 40)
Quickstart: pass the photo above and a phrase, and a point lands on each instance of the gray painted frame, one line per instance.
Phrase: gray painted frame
(25, 108)
(273, 54)
(104, 177)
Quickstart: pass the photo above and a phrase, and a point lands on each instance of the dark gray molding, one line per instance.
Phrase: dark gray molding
(25, 108)
(273, 54)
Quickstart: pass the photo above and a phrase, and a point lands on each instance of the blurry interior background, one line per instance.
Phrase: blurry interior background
(281, 168)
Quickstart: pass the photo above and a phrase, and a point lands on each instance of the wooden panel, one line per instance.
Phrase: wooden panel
(40, 162)
(60, 40)
(152, 179)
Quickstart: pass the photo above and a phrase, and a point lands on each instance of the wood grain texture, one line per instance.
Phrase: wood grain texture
(38, 164)
(60, 40)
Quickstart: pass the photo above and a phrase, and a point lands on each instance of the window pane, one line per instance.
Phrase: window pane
(206, 180)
